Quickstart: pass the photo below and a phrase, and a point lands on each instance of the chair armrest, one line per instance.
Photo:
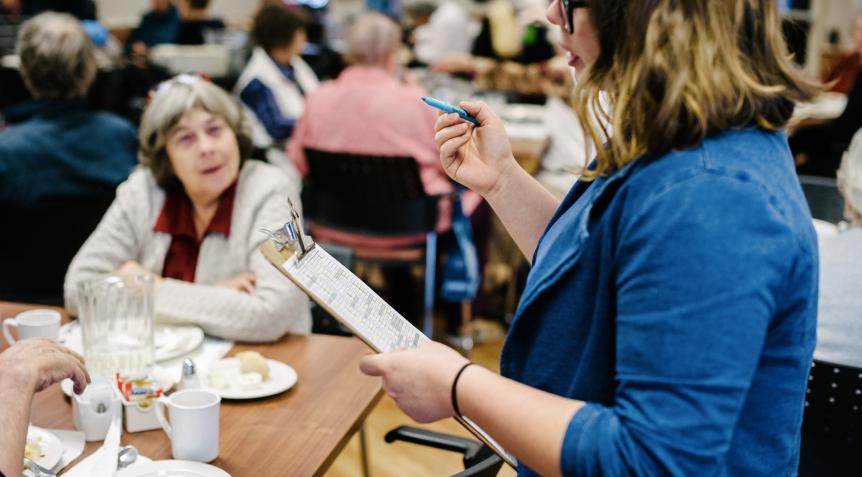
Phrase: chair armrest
(433, 439)
(488, 467)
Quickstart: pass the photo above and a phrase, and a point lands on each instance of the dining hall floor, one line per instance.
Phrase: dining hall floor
(403, 459)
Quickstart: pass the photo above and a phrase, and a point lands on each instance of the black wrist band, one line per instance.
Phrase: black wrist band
(455, 389)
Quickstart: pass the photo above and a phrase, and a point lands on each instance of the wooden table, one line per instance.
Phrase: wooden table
(298, 433)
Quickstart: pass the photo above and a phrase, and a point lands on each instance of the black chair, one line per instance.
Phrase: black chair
(479, 459)
(824, 199)
(832, 425)
(377, 197)
(36, 249)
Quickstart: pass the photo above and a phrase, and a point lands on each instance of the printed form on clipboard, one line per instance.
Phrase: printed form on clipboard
(346, 297)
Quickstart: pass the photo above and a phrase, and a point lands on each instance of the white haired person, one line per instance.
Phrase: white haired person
(839, 332)
(369, 110)
(54, 146)
(839, 329)
(191, 216)
(26, 368)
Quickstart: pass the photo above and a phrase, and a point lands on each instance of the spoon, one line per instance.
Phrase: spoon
(127, 456)
(37, 469)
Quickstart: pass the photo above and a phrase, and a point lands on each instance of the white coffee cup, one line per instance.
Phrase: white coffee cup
(194, 425)
(33, 323)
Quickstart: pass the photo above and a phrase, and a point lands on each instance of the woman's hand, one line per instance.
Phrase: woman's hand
(419, 380)
(40, 362)
(132, 267)
(479, 158)
(243, 283)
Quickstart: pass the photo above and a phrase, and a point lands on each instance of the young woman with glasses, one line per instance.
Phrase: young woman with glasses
(667, 324)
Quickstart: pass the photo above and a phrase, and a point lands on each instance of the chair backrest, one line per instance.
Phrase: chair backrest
(369, 195)
(824, 199)
(833, 401)
(36, 249)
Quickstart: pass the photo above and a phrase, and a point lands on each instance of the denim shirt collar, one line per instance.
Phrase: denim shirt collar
(545, 272)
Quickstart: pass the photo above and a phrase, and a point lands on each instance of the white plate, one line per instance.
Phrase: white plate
(50, 447)
(172, 468)
(169, 341)
(234, 385)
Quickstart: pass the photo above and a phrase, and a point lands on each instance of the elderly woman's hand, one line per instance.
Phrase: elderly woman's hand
(39, 362)
(243, 283)
(419, 380)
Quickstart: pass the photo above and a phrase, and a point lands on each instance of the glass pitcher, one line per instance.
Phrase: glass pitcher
(117, 318)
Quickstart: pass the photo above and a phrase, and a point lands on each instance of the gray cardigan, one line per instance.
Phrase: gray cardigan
(126, 233)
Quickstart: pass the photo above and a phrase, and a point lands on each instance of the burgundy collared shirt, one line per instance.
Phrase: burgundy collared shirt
(177, 219)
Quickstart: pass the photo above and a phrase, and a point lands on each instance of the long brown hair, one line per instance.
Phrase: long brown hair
(678, 71)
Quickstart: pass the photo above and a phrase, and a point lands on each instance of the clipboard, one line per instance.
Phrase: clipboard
(353, 303)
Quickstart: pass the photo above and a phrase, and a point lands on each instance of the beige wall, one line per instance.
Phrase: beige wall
(127, 13)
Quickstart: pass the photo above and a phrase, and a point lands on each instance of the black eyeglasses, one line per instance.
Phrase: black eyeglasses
(567, 8)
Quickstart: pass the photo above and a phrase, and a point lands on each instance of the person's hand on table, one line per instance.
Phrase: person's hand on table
(40, 362)
(132, 267)
(419, 380)
(478, 158)
(243, 283)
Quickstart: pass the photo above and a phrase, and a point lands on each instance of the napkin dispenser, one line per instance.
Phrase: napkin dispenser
(94, 410)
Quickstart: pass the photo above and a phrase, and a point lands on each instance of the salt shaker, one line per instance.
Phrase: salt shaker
(190, 379)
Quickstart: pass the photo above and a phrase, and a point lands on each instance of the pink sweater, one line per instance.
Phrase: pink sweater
(367, 111)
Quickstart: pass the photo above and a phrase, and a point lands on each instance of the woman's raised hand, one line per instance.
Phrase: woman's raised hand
(478, 158)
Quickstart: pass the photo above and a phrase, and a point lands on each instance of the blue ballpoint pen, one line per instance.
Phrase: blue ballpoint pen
(448, 108)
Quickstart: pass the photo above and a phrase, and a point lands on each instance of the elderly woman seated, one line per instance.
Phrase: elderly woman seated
(192, 215)
(839, 332)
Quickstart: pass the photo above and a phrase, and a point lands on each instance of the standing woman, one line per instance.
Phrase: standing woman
(668, 321)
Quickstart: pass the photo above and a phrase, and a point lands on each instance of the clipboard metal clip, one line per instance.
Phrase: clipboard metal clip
(290, 235)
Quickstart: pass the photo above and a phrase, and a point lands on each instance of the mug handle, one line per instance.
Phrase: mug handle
(9, 322)
(161, 403)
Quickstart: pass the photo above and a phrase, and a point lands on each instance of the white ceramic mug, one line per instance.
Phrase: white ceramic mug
(194, 426)
(33, 323)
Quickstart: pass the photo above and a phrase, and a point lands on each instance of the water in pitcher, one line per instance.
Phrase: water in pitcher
(117, 323)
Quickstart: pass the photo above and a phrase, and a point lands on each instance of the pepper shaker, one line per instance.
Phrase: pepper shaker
(190, 379)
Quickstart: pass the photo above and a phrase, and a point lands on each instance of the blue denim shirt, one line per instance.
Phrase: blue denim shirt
(677, 297)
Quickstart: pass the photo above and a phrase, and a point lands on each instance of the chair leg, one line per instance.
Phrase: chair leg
(363, 450)
(430, 271)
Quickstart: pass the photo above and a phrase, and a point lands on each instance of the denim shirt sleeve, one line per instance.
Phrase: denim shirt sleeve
(262, 101)
(698, 266)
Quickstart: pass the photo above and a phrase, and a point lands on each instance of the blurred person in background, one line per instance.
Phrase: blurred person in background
(276, 80)
(159, 25)
(54, 145)
(449, 32)
(26, 368)
(844, 72)
(818, 149)
(10, 21)
(196, 21)
(369, 110)
(839, 322)
(191, 216)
